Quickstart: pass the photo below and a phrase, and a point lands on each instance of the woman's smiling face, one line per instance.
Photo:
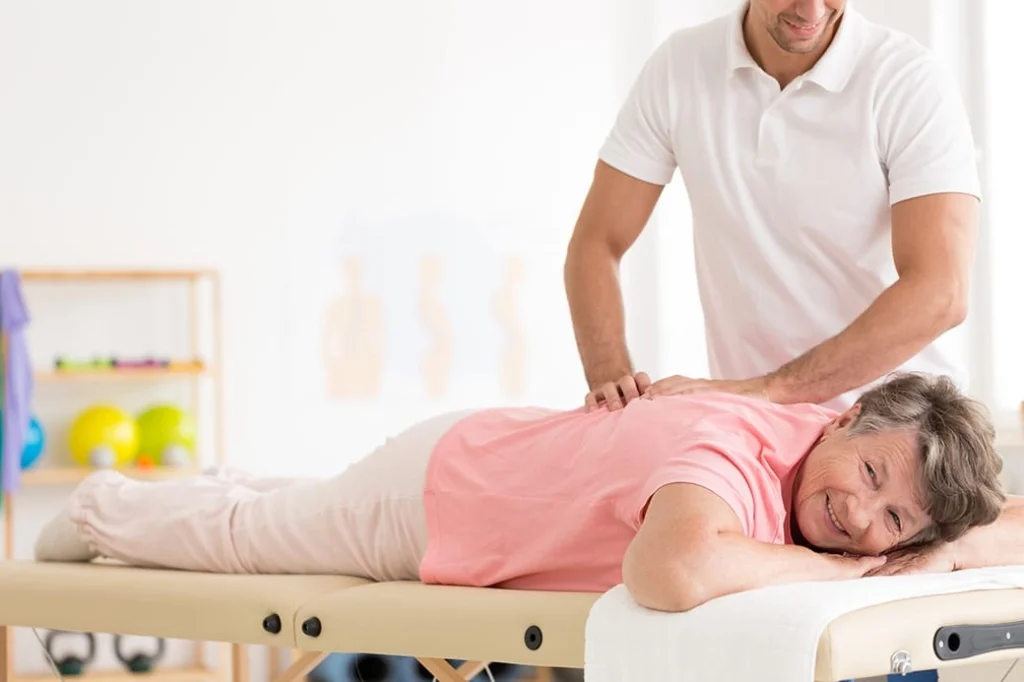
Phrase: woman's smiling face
(860, 494)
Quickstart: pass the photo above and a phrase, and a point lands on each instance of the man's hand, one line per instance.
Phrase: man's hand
(938, 557)
(617, 394)
(680, 385)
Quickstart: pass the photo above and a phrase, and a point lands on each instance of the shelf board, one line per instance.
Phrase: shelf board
(141, 373)
(72, 474)
(158, 673)
(113, 274)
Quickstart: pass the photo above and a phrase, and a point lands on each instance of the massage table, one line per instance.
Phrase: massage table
(318, 615)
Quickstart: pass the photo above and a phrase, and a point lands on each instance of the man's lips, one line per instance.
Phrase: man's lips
(803, 30)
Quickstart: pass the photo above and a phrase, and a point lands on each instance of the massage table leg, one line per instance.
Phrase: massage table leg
(297, 670)
(5, 653)
(444, 672)
(239, 663)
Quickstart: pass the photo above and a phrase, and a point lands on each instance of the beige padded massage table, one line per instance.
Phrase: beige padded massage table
(318, 615)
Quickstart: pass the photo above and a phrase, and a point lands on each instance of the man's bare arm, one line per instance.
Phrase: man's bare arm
(615, 212)
(933, 241)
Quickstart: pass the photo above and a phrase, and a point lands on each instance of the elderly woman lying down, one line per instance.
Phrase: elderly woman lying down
(683, 498)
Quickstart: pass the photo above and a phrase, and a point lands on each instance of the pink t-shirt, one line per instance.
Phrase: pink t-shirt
(542, 499)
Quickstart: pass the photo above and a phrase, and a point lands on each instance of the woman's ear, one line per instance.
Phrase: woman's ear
(847, 418)
(842, 420)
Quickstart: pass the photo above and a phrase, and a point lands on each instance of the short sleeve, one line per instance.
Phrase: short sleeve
(727, 466)
(640, 142)
(925, 135)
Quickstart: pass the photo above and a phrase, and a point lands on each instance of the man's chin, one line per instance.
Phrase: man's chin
(798, 47)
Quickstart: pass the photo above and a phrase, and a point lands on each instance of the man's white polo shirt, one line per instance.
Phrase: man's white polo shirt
(790, 190)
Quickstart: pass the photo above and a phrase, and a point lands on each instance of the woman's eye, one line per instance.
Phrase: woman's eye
(871, 470)
(896, 520)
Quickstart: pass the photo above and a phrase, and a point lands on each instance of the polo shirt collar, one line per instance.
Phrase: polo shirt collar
(832, 71)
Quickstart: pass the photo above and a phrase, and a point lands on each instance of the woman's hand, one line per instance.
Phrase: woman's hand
(850, 566)
(939, 557)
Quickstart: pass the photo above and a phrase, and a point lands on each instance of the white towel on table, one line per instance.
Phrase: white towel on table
(770, 634)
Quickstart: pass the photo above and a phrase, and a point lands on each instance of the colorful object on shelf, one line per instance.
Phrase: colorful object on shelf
(17, 382)
(103, 436)
(139, 363)
(33, 444)
(186, 365)
(69, 364)
(167, 434)
(114, 363)
(144, 462)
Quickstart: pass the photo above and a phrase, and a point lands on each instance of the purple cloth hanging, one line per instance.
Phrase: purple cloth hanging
(17, 399)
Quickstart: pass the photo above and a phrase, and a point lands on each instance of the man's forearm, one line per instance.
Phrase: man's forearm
(598, 317)
(904, 319)
(1000, 543)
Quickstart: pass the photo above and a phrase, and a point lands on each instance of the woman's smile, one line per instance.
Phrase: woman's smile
(833, 519)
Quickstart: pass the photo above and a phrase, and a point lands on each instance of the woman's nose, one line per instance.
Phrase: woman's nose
(859, 513)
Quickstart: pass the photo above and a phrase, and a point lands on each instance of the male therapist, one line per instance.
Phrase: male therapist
(835, 196)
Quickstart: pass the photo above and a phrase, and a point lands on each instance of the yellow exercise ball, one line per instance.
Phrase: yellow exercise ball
(104, 436)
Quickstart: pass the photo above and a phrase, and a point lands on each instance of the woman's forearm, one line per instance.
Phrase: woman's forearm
(734, 563)
(1000, 543)
(743, 563)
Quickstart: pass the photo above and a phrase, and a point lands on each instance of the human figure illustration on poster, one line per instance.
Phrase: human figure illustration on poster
(354, 338)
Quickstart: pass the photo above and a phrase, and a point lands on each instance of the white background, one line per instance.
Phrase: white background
(271, 139)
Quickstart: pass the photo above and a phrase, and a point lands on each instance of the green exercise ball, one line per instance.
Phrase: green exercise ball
(167, 435)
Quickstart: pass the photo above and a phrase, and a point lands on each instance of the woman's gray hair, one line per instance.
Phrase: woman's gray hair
(956, 441)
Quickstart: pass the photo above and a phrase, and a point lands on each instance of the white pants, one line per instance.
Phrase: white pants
(367, 521)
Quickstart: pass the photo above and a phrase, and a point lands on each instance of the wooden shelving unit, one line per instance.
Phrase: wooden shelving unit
(141, 374)
(52, 476)
(169, 674)
(230, 656)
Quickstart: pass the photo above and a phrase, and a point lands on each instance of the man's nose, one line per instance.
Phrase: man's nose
(810, 11)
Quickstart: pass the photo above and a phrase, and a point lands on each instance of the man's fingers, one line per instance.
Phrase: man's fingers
(610, 393)
(673, 386)
(662, 386)
(617, 394)
(628, 388)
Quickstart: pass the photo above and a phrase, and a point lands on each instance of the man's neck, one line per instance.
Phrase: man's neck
(781, 65)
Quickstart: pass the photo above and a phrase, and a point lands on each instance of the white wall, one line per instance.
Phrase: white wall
(274, 140)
